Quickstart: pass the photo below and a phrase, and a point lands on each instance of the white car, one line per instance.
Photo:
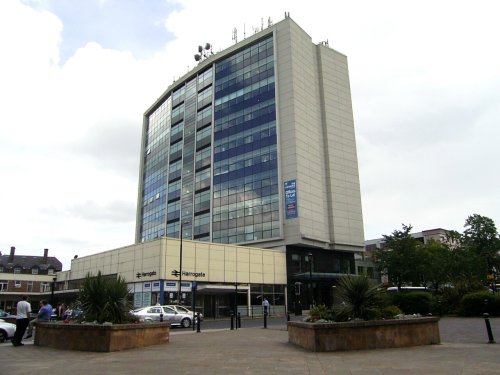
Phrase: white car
(152, 313)
(185, 310)
(7, 330)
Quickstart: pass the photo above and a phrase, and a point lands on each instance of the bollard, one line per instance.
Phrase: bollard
(488, 328)
(232, 320)
(238, 321)
(265, 319)
(198, 330)
(288, 317)
(161, 317)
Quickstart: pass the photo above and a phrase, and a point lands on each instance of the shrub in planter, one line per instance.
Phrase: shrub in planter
(414, 302)
(105, 300)
(362, 299)
(389, 312)
(473, 304)
(321, 312)
(359, 294)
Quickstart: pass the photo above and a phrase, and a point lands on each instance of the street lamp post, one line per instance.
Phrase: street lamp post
(311, 296)
(180, 262)
(180, 267)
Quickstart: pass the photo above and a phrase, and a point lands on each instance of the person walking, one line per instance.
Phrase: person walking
(265, 305)
(22, 320)
(44, 315)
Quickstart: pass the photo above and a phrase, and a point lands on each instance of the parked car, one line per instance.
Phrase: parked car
(7, 330)
(152, 313)
(185, 310)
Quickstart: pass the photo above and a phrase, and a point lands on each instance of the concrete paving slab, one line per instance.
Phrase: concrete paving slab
(266, 351)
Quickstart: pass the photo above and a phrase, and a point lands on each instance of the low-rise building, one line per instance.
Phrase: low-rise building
(216, 278)
(29, 275)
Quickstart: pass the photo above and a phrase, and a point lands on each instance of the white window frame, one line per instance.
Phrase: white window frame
(4, 285)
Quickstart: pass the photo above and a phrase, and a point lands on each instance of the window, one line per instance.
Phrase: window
(4, 285)
(17, 270)
(44, 287)
(173, 210)
(202, 201)
(2, 269)
(201, 224)
(50, 271)
(34, 271)
(30, 286)
(17, 283)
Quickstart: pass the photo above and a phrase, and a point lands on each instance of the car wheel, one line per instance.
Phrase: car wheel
(3, 336)
(186, 323)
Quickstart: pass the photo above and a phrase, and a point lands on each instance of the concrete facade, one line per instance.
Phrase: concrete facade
(316, 138)
(151, 270)
(256, 146)
(317, 142)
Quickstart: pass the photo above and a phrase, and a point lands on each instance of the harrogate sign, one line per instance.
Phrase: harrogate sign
(176, 273)
(145, 274)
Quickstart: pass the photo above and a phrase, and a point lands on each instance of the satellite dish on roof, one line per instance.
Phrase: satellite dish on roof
(203, 52)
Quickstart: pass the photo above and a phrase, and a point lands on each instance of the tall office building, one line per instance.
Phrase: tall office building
(256, 146)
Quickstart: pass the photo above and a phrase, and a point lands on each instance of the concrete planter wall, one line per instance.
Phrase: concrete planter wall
(378, 334)
(101, 338)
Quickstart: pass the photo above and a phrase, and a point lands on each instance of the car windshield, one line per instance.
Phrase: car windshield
(182, 309)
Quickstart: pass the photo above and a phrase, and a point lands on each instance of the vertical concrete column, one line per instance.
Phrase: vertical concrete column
(249, 301)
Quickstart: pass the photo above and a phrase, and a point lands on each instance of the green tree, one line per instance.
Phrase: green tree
(481, 237)
(400, 258)
(436, 263)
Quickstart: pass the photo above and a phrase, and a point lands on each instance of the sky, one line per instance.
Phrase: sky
(76, 78)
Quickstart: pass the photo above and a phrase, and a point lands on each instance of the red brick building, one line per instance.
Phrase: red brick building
(29, 275)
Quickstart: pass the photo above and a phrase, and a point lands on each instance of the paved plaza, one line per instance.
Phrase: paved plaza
(464, 350)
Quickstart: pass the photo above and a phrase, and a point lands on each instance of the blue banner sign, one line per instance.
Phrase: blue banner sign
(290, 199)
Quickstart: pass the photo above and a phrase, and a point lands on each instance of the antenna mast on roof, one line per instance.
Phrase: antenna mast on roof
(235, 35)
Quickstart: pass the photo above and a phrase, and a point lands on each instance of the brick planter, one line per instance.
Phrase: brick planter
(101, 338)
(377, 334)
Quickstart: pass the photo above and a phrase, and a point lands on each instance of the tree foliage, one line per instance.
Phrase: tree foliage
(104, 300)
(400, 257)
(359, 294)
(461, 259)
(437, 264)
(481, 238)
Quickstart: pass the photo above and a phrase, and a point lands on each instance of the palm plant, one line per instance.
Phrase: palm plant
(359, 295)
(104, 300)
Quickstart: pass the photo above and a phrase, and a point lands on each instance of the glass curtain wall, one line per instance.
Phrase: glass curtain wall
(242, 183)
(154, 194)
(177, 164)
(245, 181)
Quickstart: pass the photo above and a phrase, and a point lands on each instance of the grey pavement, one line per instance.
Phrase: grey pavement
(464, 350)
